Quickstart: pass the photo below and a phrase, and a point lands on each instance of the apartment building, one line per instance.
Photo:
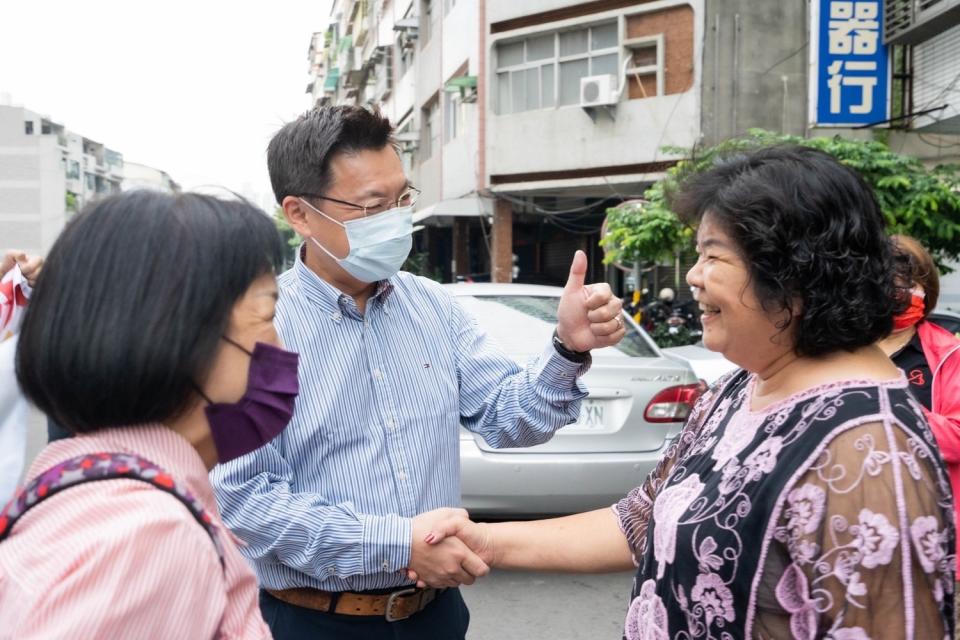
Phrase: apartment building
(140, 176)
(46, 173)
(520, 122)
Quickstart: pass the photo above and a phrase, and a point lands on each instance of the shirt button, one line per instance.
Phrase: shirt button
(377, 374)
(401, 475)
(391, 424)
(336, 317)
(331, 570)
(386, 565)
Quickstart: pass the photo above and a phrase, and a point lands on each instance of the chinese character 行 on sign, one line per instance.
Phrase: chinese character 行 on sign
(852, 86)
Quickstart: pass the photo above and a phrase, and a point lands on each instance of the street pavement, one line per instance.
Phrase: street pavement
(521, 605)
(513, 604)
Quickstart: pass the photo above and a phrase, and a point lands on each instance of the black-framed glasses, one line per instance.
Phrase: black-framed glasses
(407, 199)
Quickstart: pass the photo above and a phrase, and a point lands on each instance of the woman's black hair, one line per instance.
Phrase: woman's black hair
(128, 312)
(812, 235)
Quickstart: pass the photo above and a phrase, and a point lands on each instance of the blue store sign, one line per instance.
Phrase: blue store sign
(851, 63)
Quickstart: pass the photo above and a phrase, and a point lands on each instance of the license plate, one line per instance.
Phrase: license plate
(591, 417)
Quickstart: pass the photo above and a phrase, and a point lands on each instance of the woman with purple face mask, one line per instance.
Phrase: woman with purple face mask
(150, 337)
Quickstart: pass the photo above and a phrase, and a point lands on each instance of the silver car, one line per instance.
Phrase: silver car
(638, 402)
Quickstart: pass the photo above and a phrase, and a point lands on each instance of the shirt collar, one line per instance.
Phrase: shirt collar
(325, 295)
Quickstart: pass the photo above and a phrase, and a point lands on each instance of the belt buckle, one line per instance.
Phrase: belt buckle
(388, 612)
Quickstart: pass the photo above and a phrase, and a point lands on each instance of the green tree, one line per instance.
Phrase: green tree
(290, 237)
(417, 263)
(70, 203)
(916, 201)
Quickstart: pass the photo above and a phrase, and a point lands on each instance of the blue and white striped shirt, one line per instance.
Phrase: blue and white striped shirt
(374, 439)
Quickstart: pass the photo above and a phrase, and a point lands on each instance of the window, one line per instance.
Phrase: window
(383, 73)
(544, 71)
(91, 183)
(404, 54)
(452, 115)
(405, 47)
(645, 70)
(28, 127)
(113, 158)
(73, 170)
(407, 147)
(430, 131)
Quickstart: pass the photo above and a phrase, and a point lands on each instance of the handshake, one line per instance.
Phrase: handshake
(449, 549)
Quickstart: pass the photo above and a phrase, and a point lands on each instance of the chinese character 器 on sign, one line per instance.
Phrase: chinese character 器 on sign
(852, 65)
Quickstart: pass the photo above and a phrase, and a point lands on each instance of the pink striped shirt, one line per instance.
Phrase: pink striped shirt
(122, 559)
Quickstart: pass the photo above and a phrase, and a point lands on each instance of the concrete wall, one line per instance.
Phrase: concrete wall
(498, 10)
(52, 192)
(32, 184)
(427, 177)
(754, 67)
(460, 38)
(429, 65)
(566, 137)
(460, 158)
(460, 46)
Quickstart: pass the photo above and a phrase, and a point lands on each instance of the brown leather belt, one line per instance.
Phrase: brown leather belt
(399, 605)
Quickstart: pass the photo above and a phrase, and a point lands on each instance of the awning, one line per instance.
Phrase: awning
(459, 83)
(468, 207)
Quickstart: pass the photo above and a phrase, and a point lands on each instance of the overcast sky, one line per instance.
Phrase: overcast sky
(194, 88)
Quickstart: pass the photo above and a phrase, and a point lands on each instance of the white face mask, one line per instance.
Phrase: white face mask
(379, 244)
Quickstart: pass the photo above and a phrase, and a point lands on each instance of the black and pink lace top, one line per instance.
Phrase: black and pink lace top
(826, 515)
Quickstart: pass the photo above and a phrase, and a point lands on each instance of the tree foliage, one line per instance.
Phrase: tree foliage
(916, 201)
(290, 237)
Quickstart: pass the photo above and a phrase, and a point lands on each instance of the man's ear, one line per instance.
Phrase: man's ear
(296, 214)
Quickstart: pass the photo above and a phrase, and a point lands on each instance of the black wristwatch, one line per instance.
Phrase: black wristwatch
(566, 352)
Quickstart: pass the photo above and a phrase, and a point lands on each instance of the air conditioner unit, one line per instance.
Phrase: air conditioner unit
(599, 91)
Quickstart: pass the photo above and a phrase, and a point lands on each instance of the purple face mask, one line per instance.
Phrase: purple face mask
(265, 408)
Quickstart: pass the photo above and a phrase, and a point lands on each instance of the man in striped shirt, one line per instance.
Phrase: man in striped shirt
(335, 509)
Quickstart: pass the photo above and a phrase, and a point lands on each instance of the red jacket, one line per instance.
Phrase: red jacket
(942, 351)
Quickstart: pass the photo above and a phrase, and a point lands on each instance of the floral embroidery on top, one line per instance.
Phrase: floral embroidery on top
(647, 616)
(667, 510)
(793, 594)
(736, 437)
(713, 597)
(876, 538)
(929, 541)
(806, 508)
(786, 522)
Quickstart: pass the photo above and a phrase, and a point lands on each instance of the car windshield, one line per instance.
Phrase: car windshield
(522, 325)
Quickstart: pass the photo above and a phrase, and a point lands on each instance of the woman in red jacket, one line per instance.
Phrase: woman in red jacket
(929, 356)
